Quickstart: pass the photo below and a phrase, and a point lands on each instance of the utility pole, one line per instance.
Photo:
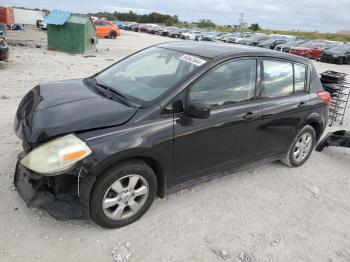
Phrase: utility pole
(241, 20)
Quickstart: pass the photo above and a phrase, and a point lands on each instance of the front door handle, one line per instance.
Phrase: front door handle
(250, 116)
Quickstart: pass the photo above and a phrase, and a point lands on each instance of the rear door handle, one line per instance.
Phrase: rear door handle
(250, 116)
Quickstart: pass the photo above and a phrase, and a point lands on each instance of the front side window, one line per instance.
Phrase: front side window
(278, 79)
(226, 84)
(148, 74)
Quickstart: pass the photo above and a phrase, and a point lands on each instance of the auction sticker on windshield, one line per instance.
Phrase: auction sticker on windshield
(193, 60)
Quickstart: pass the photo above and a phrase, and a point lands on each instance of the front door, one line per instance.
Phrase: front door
(228, 137)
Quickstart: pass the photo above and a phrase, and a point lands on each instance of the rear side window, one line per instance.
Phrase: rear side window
(226, 84)
(299, 78)
(278, 79)
(283, 78)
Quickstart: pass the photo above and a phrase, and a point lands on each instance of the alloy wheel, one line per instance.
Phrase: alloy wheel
(302, 147)
(125, 197)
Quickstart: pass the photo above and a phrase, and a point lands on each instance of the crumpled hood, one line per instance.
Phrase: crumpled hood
(63, 107)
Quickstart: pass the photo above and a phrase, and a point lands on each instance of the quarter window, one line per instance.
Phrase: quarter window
(299, 78)
(278, 79)
(226, 84)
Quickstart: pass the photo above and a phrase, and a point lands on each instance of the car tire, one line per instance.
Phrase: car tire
(340, 60)
(113, 187)
(301, 148)
(112, 35)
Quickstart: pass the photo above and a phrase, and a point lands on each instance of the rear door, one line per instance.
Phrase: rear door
(283, 99)
(228, 137)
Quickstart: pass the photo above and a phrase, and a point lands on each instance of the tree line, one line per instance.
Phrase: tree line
(156, 18)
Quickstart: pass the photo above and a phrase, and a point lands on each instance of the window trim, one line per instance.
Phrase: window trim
(262, 72)
(257, 82)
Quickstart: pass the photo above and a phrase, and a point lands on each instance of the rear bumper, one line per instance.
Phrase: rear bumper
(60, 206)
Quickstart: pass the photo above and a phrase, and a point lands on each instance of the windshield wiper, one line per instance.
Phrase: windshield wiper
(111, 91)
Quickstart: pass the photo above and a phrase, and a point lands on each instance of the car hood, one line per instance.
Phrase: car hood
(63, 107)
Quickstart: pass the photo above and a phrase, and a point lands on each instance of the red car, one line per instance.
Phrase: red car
(309, 49)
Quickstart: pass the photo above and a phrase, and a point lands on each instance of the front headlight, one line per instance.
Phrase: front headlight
(57, 155)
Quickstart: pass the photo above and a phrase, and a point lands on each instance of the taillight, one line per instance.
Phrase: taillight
(325, 96)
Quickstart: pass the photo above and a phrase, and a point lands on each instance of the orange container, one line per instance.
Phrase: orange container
(6, 15)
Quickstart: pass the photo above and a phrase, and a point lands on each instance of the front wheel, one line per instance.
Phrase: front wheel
(301, 147)
(123, 194)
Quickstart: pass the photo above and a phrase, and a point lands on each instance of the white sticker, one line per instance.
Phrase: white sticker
(193, 60)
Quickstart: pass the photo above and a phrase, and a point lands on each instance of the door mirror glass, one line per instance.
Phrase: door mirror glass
(197, 109)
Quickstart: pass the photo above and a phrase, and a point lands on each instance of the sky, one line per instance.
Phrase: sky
(306, 15)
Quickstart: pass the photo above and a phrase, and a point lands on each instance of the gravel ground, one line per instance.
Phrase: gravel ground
(269, 213)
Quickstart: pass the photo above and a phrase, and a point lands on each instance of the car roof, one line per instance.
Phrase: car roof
(213, 50)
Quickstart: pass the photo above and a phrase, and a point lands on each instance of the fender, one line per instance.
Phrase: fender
(151, 141)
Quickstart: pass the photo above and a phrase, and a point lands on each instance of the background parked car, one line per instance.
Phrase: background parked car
(210, 36)
(135, 27)
(226, 36)
(129, 25)
(337, 54)
(120, 24)
(192, 35)
(153, 30)
(291, 43)
(239, 36)
(106, 29)
(311, 49)
(177, 33)
(253, 40)
(273, 42)
(4, 48)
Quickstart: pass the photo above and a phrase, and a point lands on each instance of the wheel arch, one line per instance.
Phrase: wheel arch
(150, 161)
(315, 120)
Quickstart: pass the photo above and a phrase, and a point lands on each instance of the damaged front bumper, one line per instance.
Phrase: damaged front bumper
(65, 196)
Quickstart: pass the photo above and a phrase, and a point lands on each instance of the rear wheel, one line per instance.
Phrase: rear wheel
(112, 35)
(301, 147)
(123, 194)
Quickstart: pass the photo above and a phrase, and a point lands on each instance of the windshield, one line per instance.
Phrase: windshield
(148, 74)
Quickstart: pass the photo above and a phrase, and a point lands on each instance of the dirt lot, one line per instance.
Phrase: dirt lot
(269, 213)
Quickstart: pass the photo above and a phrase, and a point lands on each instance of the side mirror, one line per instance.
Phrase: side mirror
(197, 109)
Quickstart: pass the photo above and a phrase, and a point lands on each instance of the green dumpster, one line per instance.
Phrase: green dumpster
(76, 35)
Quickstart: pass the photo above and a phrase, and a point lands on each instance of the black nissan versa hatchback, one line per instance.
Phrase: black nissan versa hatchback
(162, 119)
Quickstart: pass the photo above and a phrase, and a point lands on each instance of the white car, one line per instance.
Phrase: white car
(43, 25)
(240, 36)
(193, 35)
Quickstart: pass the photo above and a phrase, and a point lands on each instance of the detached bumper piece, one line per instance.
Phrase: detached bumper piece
(4, 53)
(339, 138)
(334, 83)
(56, 195)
